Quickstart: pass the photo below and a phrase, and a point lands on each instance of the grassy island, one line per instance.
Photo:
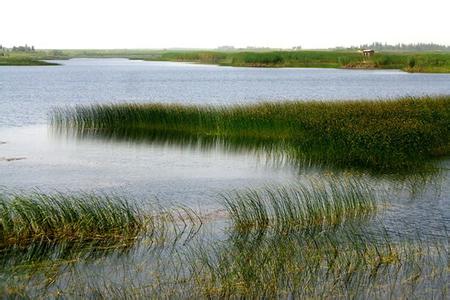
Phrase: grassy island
(18, 61)
(380, 135)
(20, 58)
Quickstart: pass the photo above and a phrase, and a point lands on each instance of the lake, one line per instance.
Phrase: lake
(173, 171)
(32, 156)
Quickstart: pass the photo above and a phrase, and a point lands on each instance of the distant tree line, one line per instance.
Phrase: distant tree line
(226, 48)
(24, 48)
(401, 47)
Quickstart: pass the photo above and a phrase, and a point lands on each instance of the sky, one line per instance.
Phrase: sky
(72, 24)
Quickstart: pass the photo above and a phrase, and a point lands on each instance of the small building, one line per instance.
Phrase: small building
(368, 52)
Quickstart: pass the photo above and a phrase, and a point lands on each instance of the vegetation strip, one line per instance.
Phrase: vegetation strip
(30, 218)
(315, 205)
(342, 263)
(36, 216)
(420, 61)
(411, 62)
(378, 135)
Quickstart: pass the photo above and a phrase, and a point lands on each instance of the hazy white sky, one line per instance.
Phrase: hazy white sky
(209, 23)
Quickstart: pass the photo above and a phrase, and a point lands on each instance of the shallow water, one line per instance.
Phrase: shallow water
(190, 176)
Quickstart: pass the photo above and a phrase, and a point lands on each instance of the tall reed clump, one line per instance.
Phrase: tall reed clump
(378, 135)
(37, 216)
(381, 135)
(314, 205)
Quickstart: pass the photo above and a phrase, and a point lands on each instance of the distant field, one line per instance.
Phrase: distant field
(38, 57)
(35, 58)
(424, 62)
(407, 61)
(23, 61)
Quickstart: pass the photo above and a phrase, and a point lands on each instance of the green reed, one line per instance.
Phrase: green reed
(426, 62)
(316, 205)
(344, 263)
(377, 135)
(311, 241)
(36, 216)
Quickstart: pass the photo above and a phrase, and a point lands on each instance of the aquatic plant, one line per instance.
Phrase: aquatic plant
(36, 218)
(377, 135)
(344, 263)
(315, 205)
(317, 244)
(39, 216)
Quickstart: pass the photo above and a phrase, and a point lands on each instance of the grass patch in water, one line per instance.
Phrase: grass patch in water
(24, 59)
(377, 135)
(316, 205)
(24, 62)
(342, 261)
(37, 216)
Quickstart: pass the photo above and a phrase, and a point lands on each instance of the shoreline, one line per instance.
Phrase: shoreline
(411, 62)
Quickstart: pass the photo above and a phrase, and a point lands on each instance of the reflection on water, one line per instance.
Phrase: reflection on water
(333, 262)
(46, 253)
(190, 176)
(276, 150)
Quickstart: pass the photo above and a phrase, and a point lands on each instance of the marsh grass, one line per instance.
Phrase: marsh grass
(381, 136)
(17, 58)
(310, 241)
(48, 240)
(344, 263)
(314, 241)
(316, 205)
(40, 216)
(23, 62)
(423, 62)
